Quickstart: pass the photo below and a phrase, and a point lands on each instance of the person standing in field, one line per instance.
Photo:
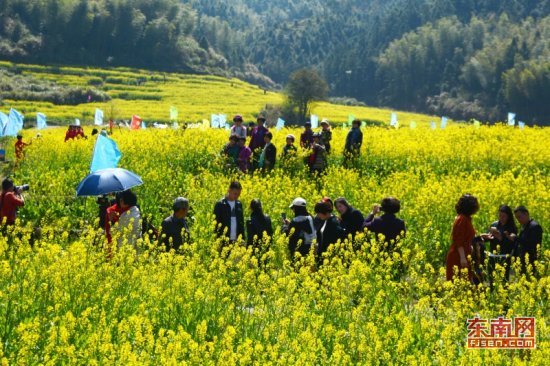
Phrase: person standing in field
(175, 229)
(350, 218)
(301, 229)
(20, 147)
(326, 134)
(231, 152)
(268, 156)
(387, 225)
(258, 133)
(528, 240)
(328, 229)
(244, 155)
(257, 141)
(238, 129)
(289, 149)
(317, 159)
(354, 141)
(129, 223)
(463, 240)
(501, 248)
(10, 201)
(306, 138)
(229, 215)
(258, 225)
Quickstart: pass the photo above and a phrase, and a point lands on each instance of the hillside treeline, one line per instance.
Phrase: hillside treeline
(464, 58)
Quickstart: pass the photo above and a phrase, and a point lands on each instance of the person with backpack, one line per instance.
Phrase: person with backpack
(317, 159)
(300, 228)
(328, 230)
(258, 225)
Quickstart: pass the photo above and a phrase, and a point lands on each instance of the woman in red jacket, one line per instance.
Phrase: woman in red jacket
(462, 237)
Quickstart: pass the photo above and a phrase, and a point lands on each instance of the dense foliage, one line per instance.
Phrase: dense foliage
(61, 301)
(467, 59)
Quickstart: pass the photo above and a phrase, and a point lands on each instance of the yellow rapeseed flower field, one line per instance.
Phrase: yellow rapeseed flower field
(63, 302)
(150, 95)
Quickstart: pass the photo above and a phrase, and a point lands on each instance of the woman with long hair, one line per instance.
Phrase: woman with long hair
(257, 225)
(501, 248)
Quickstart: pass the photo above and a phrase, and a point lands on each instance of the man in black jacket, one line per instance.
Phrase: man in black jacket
(529, 237)
(269, 154)
(175, 229)
(229, 214)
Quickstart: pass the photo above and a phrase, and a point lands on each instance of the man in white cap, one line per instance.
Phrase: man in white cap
(175, 230)
(301, 229)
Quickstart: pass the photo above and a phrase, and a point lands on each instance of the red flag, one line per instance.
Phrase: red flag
(136, 122)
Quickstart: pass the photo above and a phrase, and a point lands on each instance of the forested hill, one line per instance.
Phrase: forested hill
(464, 58)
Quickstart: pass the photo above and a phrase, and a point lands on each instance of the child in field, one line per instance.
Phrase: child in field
(19, 147)
(289, 149)
(244, 155)
(231, 151)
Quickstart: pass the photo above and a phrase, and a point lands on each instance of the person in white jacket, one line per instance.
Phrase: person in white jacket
(129, 224)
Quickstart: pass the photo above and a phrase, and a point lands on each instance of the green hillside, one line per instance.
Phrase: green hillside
(463, 58)
(62, 94)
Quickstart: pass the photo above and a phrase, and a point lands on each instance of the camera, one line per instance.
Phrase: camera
(22, 188)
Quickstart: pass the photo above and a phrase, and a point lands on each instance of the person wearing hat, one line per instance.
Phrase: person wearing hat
(19, 147)
(238, 129)
(354, 140)
(306, 138)
(10, 201)
(326, 134)
(175, 230)
(317, 159)
(301, 228)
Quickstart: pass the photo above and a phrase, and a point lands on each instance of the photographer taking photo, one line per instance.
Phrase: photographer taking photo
(10, 201)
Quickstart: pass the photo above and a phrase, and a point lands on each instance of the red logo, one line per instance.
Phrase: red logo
(502, 333)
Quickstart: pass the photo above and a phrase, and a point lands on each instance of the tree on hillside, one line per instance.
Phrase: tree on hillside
(304, 87)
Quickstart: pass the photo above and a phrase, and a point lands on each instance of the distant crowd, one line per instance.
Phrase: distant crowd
(261, 153)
